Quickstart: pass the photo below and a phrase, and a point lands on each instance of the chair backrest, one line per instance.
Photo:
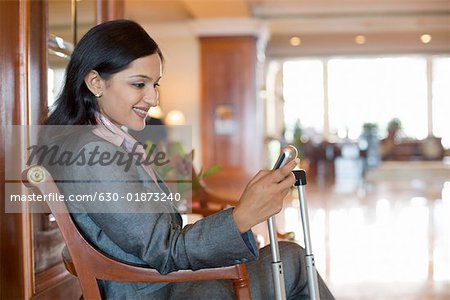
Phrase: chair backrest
(90, 264)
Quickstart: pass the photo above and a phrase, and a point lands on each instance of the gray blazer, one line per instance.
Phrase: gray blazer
(156, 239)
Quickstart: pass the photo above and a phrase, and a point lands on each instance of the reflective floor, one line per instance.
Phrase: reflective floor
(387, 238)
(384, 240)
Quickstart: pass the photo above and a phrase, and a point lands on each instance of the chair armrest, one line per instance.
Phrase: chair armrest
(114, 270)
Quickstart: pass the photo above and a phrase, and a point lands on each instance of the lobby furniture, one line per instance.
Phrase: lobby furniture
(90, 265)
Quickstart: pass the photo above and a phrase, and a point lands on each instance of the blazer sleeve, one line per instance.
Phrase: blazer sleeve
(155, 237)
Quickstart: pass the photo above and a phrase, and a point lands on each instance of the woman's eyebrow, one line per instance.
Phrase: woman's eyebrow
(145, 77)
(141, 76)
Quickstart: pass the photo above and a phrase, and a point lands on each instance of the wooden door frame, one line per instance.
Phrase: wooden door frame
(24, 90)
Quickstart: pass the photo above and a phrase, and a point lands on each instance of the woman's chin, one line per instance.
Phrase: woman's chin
(136, 127)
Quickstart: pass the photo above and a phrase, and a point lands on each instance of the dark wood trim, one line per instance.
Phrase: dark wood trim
(68, 289)
(109, 10)
(14, 279)
(51, 277)
(23, 72)
(38, 57)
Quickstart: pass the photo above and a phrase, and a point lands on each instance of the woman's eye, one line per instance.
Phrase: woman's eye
(139, 85)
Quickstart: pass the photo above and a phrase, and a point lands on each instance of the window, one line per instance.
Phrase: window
(303, 94)
(368, 90)
(377, 90)
(441, 99)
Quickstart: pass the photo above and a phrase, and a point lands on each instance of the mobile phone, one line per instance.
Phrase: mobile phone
(287, 154)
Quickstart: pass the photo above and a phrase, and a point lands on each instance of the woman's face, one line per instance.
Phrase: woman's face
(129, 94)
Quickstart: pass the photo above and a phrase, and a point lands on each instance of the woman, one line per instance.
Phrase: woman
(112, 81)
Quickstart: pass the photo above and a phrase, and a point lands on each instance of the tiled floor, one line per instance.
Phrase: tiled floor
(389, 240)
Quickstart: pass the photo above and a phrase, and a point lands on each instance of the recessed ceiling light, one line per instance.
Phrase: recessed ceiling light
(295, 41)
(425, 38)
(360, 39)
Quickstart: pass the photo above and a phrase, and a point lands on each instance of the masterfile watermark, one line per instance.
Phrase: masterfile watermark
(139, 175)
(53, 155)
(36, 197)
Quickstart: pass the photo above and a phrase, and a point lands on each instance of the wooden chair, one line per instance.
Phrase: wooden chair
(89, 264)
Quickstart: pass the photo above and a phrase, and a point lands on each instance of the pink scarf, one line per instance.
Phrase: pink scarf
(109, 131)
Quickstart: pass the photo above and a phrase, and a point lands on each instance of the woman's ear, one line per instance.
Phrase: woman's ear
(94, 83)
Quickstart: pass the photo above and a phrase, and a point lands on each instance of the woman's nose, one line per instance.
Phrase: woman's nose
(151, 97)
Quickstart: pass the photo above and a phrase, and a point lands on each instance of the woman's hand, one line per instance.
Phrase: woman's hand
(263, 197)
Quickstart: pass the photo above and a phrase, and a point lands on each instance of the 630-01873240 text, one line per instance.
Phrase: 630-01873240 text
(102, 197)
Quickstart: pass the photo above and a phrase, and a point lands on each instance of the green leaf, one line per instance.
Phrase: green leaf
(213, 170)
(200, 174)
(177, 148)
(148, 146)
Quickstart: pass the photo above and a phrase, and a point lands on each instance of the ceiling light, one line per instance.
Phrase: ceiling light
(295, 41)
(175, 117)
(360, 39)
(155, 112)
(425, 38)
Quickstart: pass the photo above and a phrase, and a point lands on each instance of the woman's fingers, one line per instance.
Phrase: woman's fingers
(264, 195)
(258, 176)
(276, 175)
(280, 174)
(288, 181)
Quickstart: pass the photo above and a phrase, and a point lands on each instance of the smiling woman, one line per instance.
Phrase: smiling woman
(104, 73)
(128, 95)
(111, 83)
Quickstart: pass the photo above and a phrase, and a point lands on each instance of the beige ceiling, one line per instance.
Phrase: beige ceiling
(324, 25)
(170, 10)
(320, 23)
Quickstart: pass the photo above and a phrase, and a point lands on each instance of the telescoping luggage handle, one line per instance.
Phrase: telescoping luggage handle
(287, 154)
(313, 286)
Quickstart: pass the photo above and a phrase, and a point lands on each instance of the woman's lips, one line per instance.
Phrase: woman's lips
(140, 112)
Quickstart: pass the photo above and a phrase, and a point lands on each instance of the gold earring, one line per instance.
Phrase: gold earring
(99, 94)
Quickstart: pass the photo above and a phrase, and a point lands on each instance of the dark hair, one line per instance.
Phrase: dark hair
(107, 48)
